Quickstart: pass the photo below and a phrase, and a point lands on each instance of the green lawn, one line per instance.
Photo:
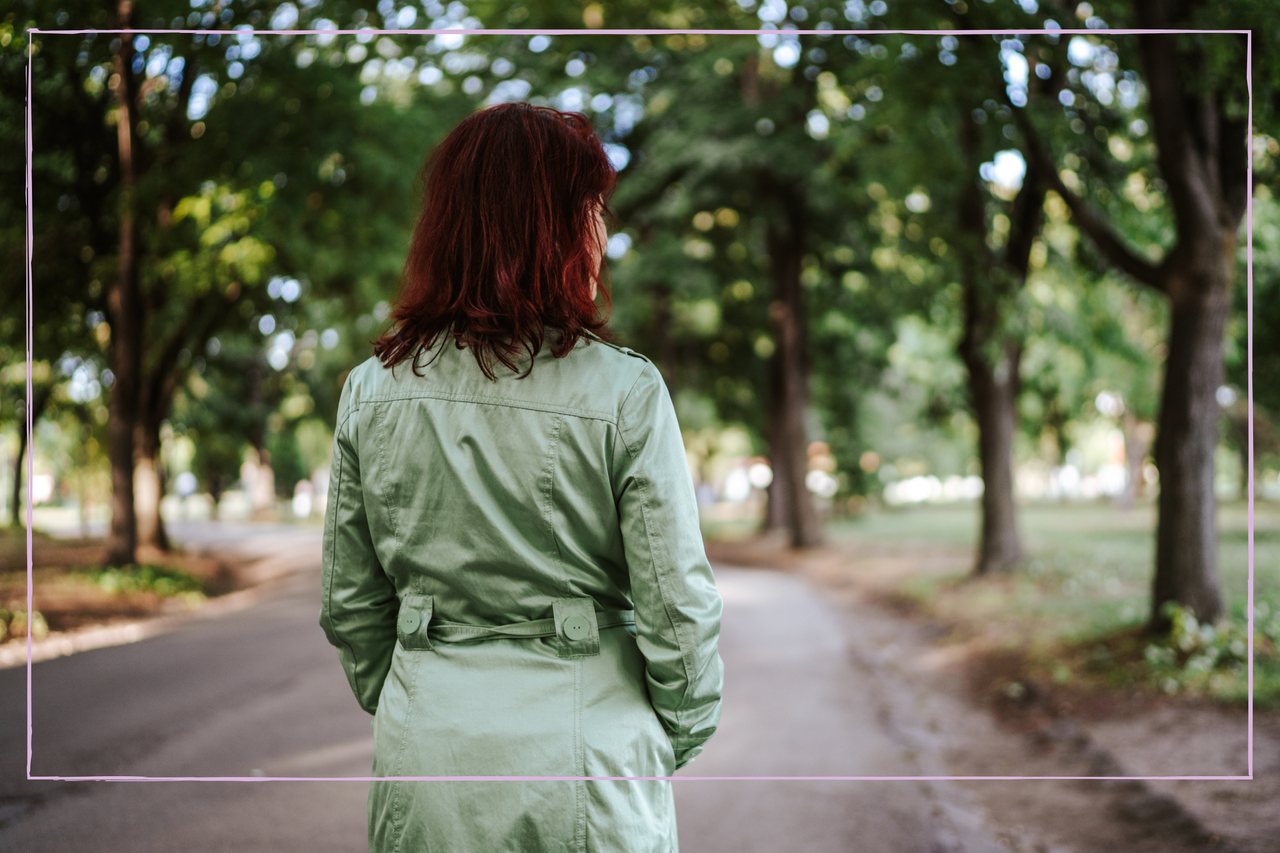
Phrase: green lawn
(1084, 589)
(1091, 553)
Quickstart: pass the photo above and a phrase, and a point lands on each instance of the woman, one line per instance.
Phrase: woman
(513, 572)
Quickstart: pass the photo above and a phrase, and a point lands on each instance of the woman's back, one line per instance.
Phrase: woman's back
(497, 494)
(513, 573)
(514, 570)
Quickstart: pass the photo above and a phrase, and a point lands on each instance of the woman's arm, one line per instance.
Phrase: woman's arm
(677, 606)
(358, 601)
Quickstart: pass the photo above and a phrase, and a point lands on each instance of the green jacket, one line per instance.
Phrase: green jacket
(516, 584)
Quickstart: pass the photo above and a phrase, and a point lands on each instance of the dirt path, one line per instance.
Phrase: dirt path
(802, 700)
(928, 689)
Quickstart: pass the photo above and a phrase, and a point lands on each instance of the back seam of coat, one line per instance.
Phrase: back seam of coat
(397, 818)
(388, 488)
(547, 487)
(579, 745)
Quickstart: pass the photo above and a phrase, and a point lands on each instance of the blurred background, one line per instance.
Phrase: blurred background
(982, 294)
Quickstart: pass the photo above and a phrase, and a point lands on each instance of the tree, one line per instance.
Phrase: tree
(986, 236)
(990, 347)
(177, 134)
(69, 204)
(1198, 123)
(726, 158)
(731, 129)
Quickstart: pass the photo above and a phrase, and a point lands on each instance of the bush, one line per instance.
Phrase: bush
(146, 578)
(13, 624)
(1210, 659)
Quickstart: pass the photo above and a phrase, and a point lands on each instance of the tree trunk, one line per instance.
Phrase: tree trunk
(777, 514)
(789, 372)
(155, 398)
(215, 495)
(259, 481)
(1137, 443)
(256, 475)
(1203, 157)
(993, 391)
(148, 487)
(124, 304)
(148, 471)
(1265, 441)
(990, 352)
(1186, 533)
(39, 400)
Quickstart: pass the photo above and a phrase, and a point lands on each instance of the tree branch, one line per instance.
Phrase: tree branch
(630, 207)
(1177, 123)
(1028, 209)
(166, 370)
(174, 123)
(1087, 219)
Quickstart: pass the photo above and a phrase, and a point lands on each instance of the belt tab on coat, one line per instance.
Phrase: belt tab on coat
(577, 629)
(412, 621)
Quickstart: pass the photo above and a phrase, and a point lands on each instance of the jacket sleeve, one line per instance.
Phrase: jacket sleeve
(358, 604)
(677, 607)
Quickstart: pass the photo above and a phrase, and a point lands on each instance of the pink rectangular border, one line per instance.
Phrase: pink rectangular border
(1248, 77)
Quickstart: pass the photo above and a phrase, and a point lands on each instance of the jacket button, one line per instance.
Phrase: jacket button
(576, 627)
(410, 620)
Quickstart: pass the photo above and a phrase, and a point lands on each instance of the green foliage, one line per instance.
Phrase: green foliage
(287, 464)
(301, 167)
(725, 137)
(1201, 645)
(14, 623)
(146, 577)
(1214, 660)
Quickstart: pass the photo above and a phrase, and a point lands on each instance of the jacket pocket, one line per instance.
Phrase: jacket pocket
(412, 622)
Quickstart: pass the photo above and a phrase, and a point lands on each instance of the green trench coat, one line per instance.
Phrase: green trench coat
(516, 584)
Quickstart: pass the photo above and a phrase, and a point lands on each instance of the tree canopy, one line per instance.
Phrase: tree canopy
(879, 258)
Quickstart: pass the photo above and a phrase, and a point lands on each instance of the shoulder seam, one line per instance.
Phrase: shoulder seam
(495, 401)
(627, 351)
(621, 422)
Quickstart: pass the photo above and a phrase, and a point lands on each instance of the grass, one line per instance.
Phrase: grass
(161, 580)
(1073, 614)
(1089, 563)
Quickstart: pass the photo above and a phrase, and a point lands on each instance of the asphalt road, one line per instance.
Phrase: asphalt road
(259, 692)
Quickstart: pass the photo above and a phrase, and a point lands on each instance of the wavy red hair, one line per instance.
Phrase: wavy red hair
(506, 244)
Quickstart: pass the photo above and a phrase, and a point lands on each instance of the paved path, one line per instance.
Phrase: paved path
(259, 691)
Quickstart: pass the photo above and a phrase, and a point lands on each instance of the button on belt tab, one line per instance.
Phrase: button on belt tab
(410, 620)
(577, 627)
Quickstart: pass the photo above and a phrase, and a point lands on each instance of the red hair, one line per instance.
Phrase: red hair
(506, 241)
